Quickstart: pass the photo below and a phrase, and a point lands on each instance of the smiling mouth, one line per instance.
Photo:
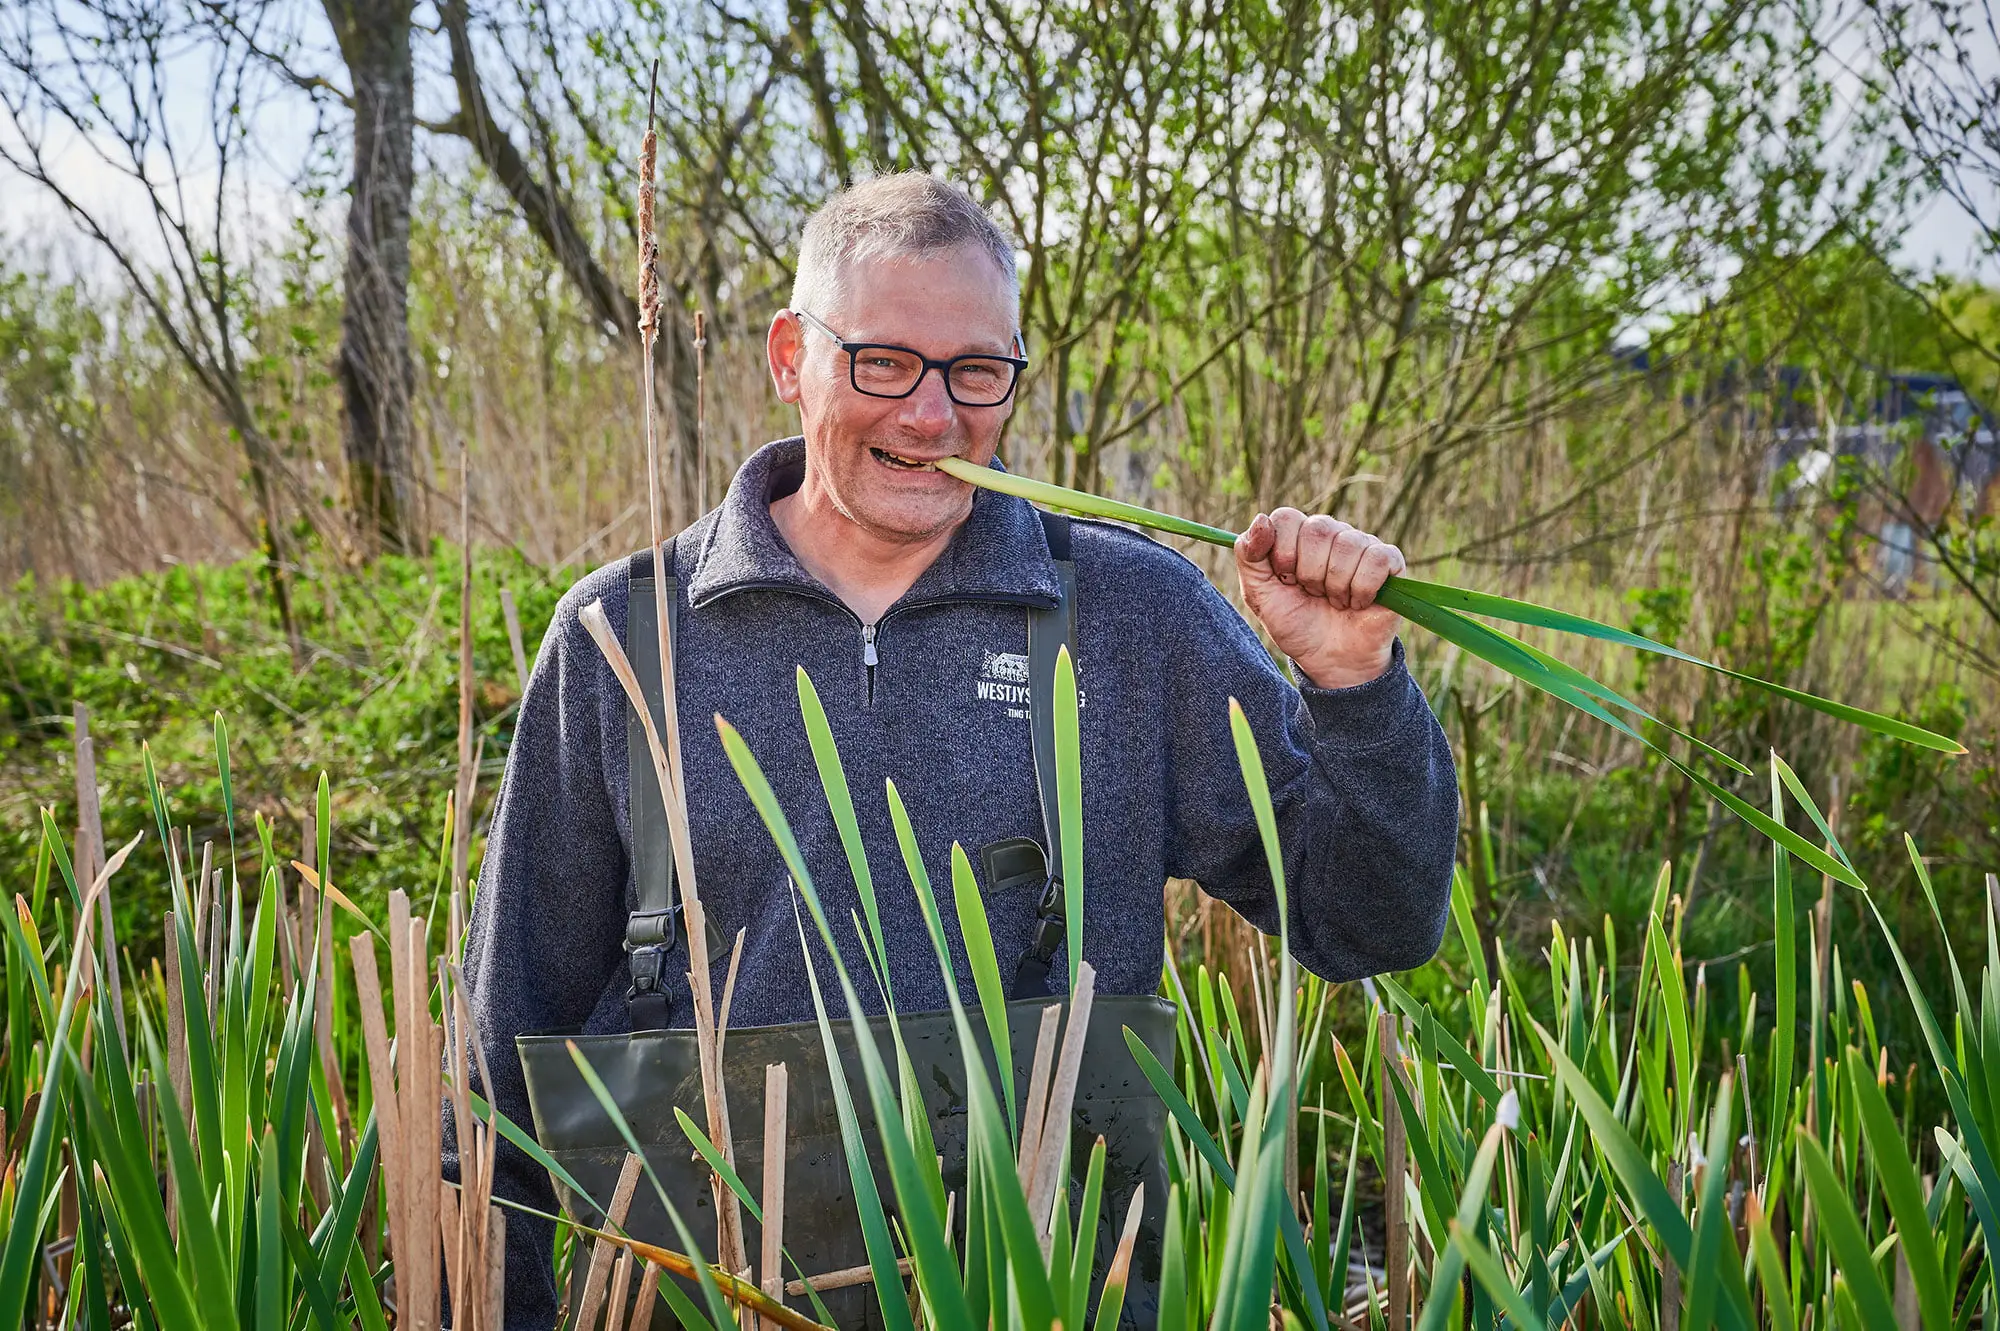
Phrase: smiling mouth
(900, 462)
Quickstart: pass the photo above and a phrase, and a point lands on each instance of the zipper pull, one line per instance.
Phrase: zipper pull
(868, 645)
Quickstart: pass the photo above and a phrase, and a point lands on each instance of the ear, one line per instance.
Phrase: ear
(784, 349)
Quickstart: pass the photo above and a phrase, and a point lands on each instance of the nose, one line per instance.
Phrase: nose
(929, 408)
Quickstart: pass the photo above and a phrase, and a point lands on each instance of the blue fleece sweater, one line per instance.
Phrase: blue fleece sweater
(1361, 780)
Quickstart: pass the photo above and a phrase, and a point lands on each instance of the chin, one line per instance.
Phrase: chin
(917, 522)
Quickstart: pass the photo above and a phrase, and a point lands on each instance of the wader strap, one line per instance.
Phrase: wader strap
(1048, 632)
(649, 932)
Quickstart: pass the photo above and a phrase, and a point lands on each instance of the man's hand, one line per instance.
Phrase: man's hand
(1311, 582)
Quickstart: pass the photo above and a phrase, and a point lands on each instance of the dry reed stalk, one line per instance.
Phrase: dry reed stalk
(1670, 1271)
(1062, 1096)
(315, 1145)
(177, 1057)
(451, 1232)
(621, 1292)
(215, 958)
(729, 1242)
(493, 1313)
(649, 1294)
(388, 1118)
(405, 1023)
(513, 618)
(700, 412)
(1034, 1110)
(461, 843)
(89, 817)
(467, 1224)
(846, 1278)
(420, 1088)
(601, 1252)
(329, 1061)
(1396, 1241)
(488, 1137)
(198, 926)
(477, 1141)
(777, 1090)
(728, 993)
(90, 857)
(736, 1289)
(208, 865)
(1119, 1272)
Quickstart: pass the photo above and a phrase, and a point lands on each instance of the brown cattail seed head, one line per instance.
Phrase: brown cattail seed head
(649, 243)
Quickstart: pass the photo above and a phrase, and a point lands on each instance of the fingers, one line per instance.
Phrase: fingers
(1320, 555)
(1378, 563)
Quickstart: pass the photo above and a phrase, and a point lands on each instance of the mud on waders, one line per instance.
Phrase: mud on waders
(655, 1069)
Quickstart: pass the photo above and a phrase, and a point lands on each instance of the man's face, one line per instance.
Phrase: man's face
(949, 304)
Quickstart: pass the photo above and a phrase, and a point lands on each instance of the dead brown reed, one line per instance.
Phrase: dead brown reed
(606, 1248)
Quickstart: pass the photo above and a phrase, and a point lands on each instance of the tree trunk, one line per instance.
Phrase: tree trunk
(376, 374)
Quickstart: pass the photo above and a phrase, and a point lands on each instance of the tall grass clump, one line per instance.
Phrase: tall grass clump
(1565, 1139)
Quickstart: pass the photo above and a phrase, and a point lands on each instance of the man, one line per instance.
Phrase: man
(900, 590)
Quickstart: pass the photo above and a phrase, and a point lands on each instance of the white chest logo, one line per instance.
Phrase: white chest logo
(1003, 678)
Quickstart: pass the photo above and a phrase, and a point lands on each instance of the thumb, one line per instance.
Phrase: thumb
(1253, 555)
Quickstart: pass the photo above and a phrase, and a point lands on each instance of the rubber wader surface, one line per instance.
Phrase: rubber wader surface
(651, 1073)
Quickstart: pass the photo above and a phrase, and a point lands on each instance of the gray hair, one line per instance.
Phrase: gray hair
(906, 215)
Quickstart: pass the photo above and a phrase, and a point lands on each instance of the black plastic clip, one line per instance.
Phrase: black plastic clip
(1031, 978)
(649, 936)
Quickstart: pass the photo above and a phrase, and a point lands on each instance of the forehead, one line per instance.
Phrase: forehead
(957, 295)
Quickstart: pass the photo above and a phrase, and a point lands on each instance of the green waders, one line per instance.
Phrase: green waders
(655, 1070)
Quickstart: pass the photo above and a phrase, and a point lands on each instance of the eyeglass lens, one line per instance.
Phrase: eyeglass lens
(974, 380)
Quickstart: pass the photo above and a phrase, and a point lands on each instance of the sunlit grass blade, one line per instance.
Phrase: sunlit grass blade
(1069, 799)
(978, 936)
(1853, 1257)
(1771, 1273)
(1076, 501)
(1538, 616)
(833, 780)
(1903, 1191)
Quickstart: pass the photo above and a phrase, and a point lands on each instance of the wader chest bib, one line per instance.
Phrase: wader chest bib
(656, 1069)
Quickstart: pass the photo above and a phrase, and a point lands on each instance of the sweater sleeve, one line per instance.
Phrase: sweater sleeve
(1361, 781)
(548, 920)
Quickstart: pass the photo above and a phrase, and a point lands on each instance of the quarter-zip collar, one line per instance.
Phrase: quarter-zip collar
(998, 554)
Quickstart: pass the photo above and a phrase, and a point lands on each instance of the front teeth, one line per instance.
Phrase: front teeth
(908, 464)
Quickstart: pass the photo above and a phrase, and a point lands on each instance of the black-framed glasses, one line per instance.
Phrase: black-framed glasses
(882, 369)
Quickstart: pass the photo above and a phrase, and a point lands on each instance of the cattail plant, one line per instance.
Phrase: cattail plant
(666, 753)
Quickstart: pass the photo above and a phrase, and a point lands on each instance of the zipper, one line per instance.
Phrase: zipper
(868, 659)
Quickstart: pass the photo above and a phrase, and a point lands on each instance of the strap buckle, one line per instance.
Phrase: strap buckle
(1031, 977)
(649, 928)
(649, 937)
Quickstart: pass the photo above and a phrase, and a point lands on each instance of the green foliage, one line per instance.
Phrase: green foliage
(160, 655)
